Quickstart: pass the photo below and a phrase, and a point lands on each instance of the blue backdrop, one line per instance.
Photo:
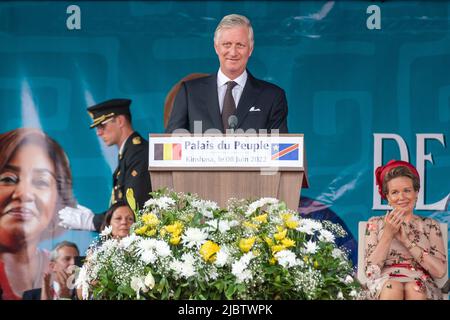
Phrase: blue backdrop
(344, 83)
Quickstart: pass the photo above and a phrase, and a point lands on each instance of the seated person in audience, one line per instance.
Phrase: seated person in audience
(57, 285)
(119, 217)
(404, 252)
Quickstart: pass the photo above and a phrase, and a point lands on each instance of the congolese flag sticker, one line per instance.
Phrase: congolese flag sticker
(284, 151)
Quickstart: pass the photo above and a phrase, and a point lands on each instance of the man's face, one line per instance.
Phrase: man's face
(233, 48)
(66, 258)
(109, 131)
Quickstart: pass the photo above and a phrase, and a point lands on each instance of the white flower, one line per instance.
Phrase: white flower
(82, 282)
(309, 226)
(162, 249)
(222, 225)
(222, 257)
(149, 280)
(310, 247)
(127, 241)
(194, 237)
(259, 203)
(213, 225)
(340, 296)
(184, 267)
(205, 207)
(353, 293)
(348, 279)
(188, 258)
(162, 203)
(106, 232)
(148, 257)
(337, 253)
(240, 268)
(287, 258)
(151, 249)
(138, 284)
(326, 235)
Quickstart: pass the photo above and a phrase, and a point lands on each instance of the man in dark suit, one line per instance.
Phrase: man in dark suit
(59, 286)
(112, 121)
(207, 103)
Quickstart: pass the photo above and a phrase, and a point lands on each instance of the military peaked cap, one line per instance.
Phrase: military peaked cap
(108, 109)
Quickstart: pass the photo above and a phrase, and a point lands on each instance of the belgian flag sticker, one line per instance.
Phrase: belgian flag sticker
(167, 151)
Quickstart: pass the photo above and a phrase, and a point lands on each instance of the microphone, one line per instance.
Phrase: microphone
(232, 122)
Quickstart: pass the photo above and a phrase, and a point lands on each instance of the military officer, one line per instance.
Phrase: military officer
(112, 121)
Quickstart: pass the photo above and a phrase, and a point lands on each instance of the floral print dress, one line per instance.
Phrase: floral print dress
(400, 264)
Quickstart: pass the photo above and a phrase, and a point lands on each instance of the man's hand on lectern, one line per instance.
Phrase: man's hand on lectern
(80, 218)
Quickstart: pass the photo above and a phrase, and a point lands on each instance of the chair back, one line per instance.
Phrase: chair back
(170, 97)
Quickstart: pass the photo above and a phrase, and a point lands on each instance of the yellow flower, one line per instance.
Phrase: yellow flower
(250, 225)
(269, 241)
(273, 260)
(280, 235)
(150, 219)
(261, 218)
(288, 242)
(316, 264)
(289, 221)
(208, 251)
(175, 229)
(246, 244)
(280, 228)
(162, 232)
(150, 233)
(140, 231)
(291, 224)
(175, 240)
(277, 248)
(305, 258)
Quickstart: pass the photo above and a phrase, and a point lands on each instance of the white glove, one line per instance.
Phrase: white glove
(80, 218)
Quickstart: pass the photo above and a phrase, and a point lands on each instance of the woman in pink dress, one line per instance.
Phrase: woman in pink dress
(404, 252)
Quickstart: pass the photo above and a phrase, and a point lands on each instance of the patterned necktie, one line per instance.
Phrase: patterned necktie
(229, 106)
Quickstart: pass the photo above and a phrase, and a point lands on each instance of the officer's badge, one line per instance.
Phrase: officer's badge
(137, 140)
(120, 194)
(134, 173)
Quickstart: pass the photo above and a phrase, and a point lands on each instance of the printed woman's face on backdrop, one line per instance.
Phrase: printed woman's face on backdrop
(401, 193)
(28, 195)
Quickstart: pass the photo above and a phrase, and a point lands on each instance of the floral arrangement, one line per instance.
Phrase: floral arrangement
(183, 247)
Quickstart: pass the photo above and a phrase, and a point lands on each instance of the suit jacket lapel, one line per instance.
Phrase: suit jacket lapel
(249, 95)
(211, 100)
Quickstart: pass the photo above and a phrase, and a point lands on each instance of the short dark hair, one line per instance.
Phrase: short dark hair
(110, 212)
(400, 171)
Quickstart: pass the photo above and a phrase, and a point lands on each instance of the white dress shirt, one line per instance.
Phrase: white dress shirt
(237, 90)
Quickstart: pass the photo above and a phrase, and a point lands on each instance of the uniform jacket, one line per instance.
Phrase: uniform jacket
(131, 172)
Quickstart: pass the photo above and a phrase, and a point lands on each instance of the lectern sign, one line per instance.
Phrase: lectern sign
(226, 151)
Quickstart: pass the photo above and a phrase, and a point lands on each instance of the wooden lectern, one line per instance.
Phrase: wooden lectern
(222, 183)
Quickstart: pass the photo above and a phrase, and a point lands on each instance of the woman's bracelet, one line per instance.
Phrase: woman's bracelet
(420, 257)
(411, 245)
